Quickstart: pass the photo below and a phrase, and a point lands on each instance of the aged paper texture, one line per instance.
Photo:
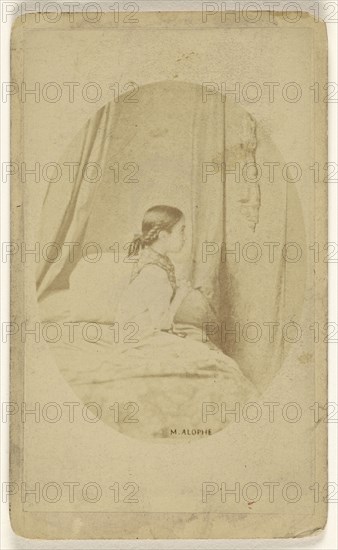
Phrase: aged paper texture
(169, 286)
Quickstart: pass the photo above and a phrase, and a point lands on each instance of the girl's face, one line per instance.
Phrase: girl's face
(176, 238)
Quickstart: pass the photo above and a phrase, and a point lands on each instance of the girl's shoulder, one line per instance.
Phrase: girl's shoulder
(155, 264)
(150, 271)
(150, 282)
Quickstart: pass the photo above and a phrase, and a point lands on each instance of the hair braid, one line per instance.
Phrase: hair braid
(152, 234)
(156, 219)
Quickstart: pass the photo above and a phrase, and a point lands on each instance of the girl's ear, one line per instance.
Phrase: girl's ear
(162, 235)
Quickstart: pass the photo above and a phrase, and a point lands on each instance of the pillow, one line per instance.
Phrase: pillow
(191, 316)
(95, 288)
(194, 310)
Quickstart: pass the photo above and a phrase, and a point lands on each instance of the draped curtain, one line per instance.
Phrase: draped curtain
(171, 146)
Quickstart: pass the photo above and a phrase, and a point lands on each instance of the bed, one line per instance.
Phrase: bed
(167, 387)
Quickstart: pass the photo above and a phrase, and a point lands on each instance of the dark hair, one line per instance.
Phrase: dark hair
(157, 218)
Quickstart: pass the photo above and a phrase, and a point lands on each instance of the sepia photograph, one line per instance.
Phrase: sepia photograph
(152, 289)
(169, 251)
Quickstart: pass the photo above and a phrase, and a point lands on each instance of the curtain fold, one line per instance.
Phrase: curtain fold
(208, 206)
(68, 202)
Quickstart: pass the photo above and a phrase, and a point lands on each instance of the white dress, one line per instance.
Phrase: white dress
(146, 304)
(166, 378)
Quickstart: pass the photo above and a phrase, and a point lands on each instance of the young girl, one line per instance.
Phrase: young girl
(169, 375)
(153, 295)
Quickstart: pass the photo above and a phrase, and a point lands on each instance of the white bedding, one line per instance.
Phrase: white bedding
(152, 389)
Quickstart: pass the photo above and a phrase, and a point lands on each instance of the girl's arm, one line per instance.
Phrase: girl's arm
(183, 289)
(156, 292)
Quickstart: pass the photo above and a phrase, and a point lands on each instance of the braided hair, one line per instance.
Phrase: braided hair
(157, 218)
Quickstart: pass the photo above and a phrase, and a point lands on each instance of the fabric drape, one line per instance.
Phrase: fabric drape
(172, 147)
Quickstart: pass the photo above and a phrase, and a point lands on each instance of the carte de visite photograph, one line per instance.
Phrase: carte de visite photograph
(169, 253)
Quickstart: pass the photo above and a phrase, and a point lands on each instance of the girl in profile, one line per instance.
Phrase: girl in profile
(170, 375)
(153, 295)
(152, 298)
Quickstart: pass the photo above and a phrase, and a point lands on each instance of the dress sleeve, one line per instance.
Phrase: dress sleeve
(156, 294)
